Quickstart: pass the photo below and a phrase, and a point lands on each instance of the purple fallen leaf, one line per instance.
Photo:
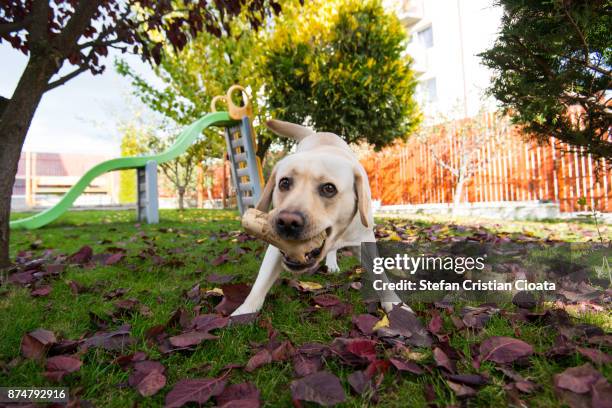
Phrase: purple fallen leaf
(194, 390)
(409, 366)
(526, 386)
(41, 291)
(460, 390)
(35, 344)
(191, 338)
(435, 324)
(442, 360)
(504, 350)
(233, 296)
(240, 395)
(260, 358)
(596, 356)
(221, 259)
(473, 380)
(283, 352)
(305, 365)
(601, 393)
(116, 340)
(114, 258)
(326, 300)
(22, 278)
(142, 377)
(83, 255)
(321, 387)
(220, 279)
(363, 348)
(365, 323)
(151, 383)
(577, 379)
(405, 323)
(209, 322)
(360, 382)
(60, 366)
(525, 300)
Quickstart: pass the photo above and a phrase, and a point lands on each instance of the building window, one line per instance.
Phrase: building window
(426, 37)
(429, 90)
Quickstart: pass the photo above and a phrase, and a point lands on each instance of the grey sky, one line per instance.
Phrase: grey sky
(80, 116)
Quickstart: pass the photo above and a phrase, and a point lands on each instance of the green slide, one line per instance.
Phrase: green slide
(185, 139)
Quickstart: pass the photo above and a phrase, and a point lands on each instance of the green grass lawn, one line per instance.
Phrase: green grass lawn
(188, 242)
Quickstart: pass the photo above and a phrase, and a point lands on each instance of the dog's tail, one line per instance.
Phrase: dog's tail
(290, 130)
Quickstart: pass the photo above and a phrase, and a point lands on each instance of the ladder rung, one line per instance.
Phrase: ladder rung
(245, 186)
(237, 142)
(247, 201)
(242, 172)
(240, 157)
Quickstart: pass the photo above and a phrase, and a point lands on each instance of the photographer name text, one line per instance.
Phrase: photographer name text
(468, 285)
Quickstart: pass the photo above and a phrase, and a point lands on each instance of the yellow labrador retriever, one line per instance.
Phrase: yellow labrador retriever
(321, 187)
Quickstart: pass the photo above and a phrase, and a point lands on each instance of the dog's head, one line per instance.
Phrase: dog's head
(312, 193)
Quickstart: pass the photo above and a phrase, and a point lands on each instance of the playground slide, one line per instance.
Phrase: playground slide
(185, 139)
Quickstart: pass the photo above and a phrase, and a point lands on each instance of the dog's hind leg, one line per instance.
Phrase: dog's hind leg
(331, 261)
(269, 271)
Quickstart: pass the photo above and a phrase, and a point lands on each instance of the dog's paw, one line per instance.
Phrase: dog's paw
(332, 267)
(388, 306)
(245, 309)
(331, 262)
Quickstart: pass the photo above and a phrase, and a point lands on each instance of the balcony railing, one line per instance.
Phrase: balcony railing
(409, 12)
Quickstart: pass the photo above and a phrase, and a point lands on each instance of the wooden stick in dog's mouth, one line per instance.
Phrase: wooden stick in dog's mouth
(256, 223)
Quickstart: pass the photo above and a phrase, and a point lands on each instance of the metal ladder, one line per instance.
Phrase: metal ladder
(244, 166)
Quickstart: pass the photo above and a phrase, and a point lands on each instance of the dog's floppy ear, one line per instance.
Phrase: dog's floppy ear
(266, 196)
(290, 130)
(363, 203)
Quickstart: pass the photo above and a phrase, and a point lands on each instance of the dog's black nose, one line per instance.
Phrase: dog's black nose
(290, 224)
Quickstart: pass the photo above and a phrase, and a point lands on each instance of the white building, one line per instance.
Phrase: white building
(446, 37)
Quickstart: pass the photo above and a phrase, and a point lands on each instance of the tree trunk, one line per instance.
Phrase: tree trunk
(181, 198)
(458, 194)
(15, 120)
(263, 144)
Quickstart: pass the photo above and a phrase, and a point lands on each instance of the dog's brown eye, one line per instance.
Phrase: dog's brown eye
(284, 184)
(328, 190)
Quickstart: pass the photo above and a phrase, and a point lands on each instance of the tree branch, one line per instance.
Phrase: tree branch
(81, 18)
(66, 78)
(443, 164)
(7, 28)
(585, 46)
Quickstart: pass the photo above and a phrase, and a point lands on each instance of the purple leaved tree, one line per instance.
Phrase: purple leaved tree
(78, 34)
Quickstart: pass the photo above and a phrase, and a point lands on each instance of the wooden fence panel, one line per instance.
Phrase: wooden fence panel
(407, 173)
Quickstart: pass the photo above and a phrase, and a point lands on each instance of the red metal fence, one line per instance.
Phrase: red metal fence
(407, 173)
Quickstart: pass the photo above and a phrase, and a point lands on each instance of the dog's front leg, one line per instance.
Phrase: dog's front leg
(268, 273)
(331, 261)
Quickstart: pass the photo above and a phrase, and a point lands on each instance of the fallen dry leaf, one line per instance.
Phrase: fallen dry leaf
(243, 395)
(191, 338)
(35, 344)
(321, 387)
(578, 379)
(443, 361)
(504, 350)
(194, 390)
(233, 296)
(260, 358)
(60, 366)
(41, 291)
(409, 366)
